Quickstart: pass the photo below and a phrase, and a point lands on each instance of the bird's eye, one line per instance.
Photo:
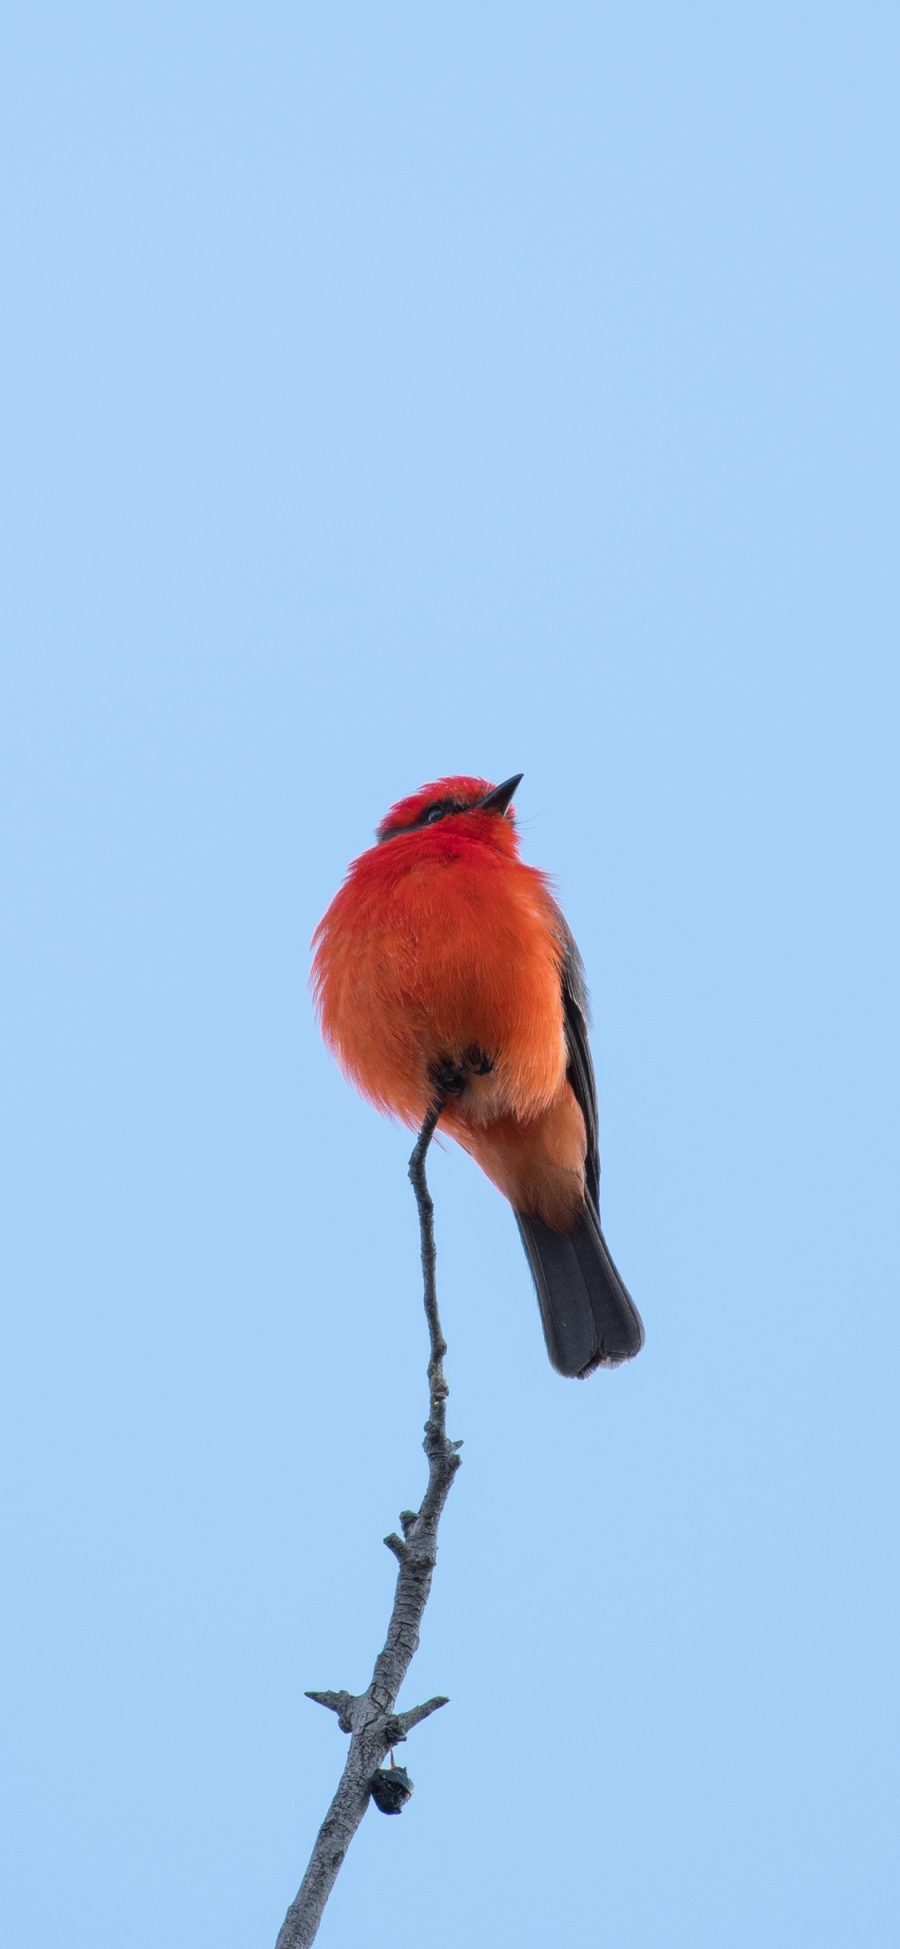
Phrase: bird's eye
(434, 813)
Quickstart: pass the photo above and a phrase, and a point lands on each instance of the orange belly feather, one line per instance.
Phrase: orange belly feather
(423, 959)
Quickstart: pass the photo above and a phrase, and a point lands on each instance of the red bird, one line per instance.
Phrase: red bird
(444, 968)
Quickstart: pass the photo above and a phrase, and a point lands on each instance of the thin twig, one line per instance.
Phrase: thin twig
(370, 1717)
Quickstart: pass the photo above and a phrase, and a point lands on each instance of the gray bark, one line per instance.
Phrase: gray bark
(370, 1717)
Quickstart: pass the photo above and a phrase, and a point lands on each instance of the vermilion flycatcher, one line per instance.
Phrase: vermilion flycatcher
(444, 969)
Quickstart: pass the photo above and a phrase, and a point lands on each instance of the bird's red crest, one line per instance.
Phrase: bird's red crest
(457, 794)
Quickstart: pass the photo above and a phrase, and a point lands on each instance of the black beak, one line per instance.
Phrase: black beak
(499, 798)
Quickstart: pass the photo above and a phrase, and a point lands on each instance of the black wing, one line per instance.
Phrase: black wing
(580, 1069)
(589, 1316)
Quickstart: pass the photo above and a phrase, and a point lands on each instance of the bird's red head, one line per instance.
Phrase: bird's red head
(462, 805)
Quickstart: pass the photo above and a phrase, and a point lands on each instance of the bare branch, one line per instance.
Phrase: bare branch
(340, 1702)
(370, 1716)
(417, 1713)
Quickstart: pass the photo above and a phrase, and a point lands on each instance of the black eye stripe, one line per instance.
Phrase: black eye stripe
(431, 816)
(441, 809)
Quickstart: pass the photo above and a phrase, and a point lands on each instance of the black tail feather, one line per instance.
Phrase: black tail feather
(588, 1314)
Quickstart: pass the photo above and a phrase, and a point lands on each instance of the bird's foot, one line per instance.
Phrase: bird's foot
(477, 1062)
(447, 1077)
(450, 1074)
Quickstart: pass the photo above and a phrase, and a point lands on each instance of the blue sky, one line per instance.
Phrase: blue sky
(392, 391)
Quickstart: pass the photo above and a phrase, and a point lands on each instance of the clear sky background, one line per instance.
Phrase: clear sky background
(394, 390)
